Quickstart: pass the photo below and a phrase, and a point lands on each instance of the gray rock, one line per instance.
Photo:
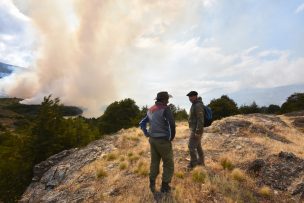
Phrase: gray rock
(61, 169)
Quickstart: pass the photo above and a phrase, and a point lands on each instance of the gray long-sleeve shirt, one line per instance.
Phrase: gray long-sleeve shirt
(162, 124)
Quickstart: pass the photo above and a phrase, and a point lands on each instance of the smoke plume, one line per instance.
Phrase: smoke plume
(85, 48)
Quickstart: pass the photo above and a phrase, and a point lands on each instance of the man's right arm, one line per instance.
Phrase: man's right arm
(143, 125)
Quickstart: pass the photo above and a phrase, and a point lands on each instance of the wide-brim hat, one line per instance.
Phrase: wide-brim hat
(163, 95)
(192, 93)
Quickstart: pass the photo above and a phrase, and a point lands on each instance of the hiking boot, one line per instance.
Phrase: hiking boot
(191, 165)
(165, 188)
(152, 186)
(201, 163)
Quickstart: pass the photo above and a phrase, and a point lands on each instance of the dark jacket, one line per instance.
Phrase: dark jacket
(196, 116)
(162, 124)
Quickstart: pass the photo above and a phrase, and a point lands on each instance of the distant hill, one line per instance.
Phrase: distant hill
(6, 69)
(266, 96)
(12, 113)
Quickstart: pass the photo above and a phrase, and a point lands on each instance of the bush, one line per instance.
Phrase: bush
(273, 109)
(119, 115)
(223, 107)
(295, 102)
(178, 113)
(252, 108)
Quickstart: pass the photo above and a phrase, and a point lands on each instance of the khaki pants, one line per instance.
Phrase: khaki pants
(195, 149)
(161, 149)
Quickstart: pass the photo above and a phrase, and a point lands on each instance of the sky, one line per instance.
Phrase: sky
(93, 53)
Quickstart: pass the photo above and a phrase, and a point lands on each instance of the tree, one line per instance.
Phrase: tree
(15, 165)
(178, 113)
(273, 109)
(223, 107)
(47, 129)
(295, 102)
(252, 108)
(118, 115)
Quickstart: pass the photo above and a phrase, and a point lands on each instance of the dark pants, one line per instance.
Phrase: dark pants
(161, 149)
(195, 149)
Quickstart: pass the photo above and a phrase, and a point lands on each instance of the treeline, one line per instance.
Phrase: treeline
(225, 106)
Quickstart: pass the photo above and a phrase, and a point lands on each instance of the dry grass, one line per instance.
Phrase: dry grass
(122, 158)
(209, 184)
(142, 168)
(101, 173)
(199, 175)
(238, 175)
(130, 154)
(123, 165)
(226, 163)
(111, 156)
(265, 191)
(180, 174)
(133, 159)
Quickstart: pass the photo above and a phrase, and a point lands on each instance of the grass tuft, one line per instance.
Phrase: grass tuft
(265, 191)
(226, 163)
(180, 174)
(130, 154)
(111, 157)
(123, 165)
(101, 173)
(199, 175)
(133, 158)
(142, 168)
(238, 175)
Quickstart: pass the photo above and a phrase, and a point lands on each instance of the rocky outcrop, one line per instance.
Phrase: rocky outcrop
(279, 172)
(258, 124)
(44, 166)
(59, 169)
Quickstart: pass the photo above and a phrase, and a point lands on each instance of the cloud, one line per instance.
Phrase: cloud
(209, 3)
(300, 8)
(16, 36)
(210, 70)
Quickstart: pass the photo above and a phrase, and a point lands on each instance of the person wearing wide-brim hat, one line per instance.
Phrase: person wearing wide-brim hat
(196, 126)
(161, 133)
